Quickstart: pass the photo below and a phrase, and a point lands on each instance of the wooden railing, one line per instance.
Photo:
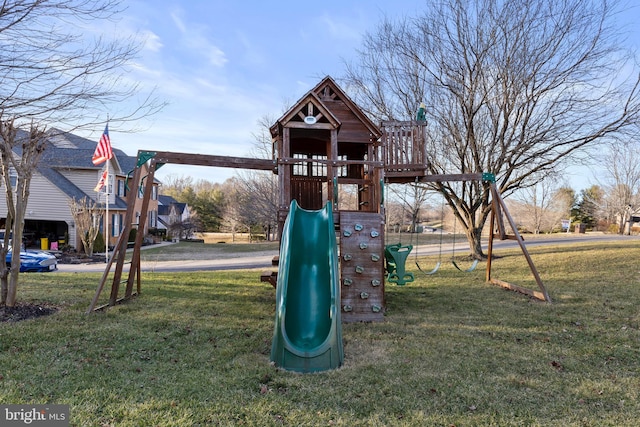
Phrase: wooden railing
(403, 147)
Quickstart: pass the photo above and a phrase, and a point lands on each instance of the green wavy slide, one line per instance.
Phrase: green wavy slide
(308, 330)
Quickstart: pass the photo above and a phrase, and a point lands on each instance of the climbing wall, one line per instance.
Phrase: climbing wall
(362, 266)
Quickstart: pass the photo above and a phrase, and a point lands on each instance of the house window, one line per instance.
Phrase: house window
(115, 224)
(121, 188)
(110, 182)
(153, 219)
(154, 192)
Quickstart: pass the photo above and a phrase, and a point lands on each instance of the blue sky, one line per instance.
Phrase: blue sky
(224, 65)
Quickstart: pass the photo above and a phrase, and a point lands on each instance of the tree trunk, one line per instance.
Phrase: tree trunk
(22, 195)
(474, 237)
(4, 270)
(4, 285)
(88, 249)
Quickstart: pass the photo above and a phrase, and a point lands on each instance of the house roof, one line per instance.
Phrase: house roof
(165, 203)
(66, 151)
(166, 200)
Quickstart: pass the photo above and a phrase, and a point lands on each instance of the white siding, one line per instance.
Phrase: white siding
(85, 180)
(46, 202)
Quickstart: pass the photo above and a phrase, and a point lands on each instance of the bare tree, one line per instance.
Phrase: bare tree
(236, 215)
(31, 146)
(56, 69)
(394, 215)
(515, 88)
(622, 181)
(257, 196)
(86, 214)
(542, 206)
(256, 192)
(413, 199)
(177, 186)
(181, 229)
(53, 72)
(565, 200)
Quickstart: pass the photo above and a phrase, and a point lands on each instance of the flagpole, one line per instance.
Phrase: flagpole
(104, 153)
(106, 246)
(107, 231)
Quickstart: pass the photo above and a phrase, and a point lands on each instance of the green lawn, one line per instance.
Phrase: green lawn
(193, 350)
(192, 250)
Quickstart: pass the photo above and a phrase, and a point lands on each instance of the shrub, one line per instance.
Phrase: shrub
(99, 244)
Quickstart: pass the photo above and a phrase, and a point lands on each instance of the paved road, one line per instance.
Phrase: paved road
(263, 259)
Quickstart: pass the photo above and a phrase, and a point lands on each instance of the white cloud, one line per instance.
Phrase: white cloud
(341, 29)
(216, 56)
(250, 54)
(195, 39)
(177, 19)
(151, 41)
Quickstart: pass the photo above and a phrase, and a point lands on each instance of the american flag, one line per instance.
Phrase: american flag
(102, 181)
(103, 150)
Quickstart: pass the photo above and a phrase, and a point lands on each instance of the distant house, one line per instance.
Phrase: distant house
(66, 172)
(174, 217)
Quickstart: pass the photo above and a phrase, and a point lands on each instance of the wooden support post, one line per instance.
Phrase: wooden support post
(497, 212)
(490, 247)
(103, 280)
(122, 246)
(543, 294)
(134, 270)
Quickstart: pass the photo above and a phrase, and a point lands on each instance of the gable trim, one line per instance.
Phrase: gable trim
(309, 106)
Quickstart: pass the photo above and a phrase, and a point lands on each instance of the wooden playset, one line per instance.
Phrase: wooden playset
(323, 145)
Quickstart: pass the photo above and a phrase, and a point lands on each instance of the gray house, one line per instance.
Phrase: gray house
(174, 217)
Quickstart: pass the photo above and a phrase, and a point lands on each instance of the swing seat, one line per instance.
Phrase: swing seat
(396, 257)
(390, 264)
(467, 270)
(435, 269)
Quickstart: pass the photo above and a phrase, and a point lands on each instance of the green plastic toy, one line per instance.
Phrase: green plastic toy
(396, 256)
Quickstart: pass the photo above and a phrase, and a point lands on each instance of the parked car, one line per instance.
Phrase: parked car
(34, 261)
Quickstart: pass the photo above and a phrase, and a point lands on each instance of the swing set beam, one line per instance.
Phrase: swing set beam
(498, 212)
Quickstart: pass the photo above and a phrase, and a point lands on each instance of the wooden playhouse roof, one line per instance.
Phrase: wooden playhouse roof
(332, 109)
